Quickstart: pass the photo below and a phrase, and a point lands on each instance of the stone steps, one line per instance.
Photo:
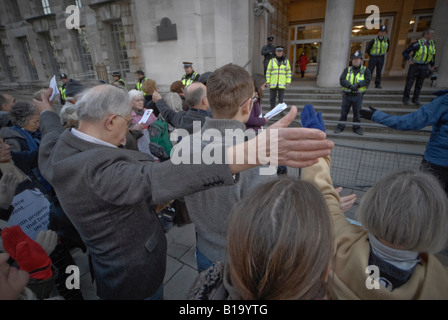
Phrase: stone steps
(328, 101)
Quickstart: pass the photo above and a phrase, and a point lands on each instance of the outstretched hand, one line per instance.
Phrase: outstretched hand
(283, 146)
(367, 114)
(312, 120)
(44, 104)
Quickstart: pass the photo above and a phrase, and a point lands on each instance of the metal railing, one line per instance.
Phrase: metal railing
(359, 168)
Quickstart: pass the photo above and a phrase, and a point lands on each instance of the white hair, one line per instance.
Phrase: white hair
(174, 101)
(135, 94)
(96, 103)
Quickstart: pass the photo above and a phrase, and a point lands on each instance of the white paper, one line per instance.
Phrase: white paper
(278, 109)
(146, 116)
(31, 212)
(54, 86)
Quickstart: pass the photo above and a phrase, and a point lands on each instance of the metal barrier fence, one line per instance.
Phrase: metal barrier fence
(360, 168)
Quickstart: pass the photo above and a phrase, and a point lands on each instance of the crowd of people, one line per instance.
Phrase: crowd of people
(103, 165)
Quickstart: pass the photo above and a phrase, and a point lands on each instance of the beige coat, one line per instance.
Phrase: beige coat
(348, 277)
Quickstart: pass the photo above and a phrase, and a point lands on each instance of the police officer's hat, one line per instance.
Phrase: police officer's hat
(383, 28)
(187, 64)
(271, 39)
(63, 76)
(116, 74)
(357, 55)
(140, 72)
(279, 48)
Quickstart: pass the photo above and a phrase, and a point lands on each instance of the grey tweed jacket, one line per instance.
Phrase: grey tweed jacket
(108, 194)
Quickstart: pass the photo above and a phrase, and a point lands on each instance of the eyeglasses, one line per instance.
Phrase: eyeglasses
(253, 100)
(128, 122)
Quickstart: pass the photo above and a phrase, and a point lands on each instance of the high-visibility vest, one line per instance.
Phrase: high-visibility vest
(186, 82)
(425, 54)
(62, 90)
(354, 80)
(139, 85)
(122, 82)
(278, 75)
(379, 47)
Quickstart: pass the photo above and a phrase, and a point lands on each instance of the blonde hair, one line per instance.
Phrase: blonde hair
(407, 209)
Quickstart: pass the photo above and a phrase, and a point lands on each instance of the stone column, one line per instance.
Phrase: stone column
(440, 25)
(442, 81)
(400, 34)
(336, 42)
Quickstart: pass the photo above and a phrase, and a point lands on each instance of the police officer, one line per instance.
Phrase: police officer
(64, 80)
(354, 81)
(421, 64)
(278, 76)
(190, 75)
(118, 80)
(140, 79)
(377, 50)
(268, 51)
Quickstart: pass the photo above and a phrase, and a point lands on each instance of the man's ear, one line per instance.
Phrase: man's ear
(110, 121)
(247, 108)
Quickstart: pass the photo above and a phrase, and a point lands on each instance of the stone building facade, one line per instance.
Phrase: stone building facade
(157, 36)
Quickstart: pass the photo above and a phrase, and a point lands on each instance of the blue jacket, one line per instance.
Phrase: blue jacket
(434, 113)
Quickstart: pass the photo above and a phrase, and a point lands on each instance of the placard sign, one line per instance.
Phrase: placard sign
(31, 212)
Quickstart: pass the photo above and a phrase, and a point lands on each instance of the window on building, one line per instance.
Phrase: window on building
(52, 55)
(119, 46)
(46, 6)
(5, 55)
(28, 58)
(84, 51)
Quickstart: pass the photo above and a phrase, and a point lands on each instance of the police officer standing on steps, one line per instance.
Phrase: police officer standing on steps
(190, 75)
(424, 56)
(268, 51)
(278, 76)
(377, 50)
(64, 80)
(118, 81)
(354, 81)
(140, 79)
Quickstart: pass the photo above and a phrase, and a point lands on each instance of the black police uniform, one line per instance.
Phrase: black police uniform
(268, 51)
(353, 99)
(417, 73)
(376, 60)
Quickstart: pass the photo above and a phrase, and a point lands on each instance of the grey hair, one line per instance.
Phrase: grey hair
(21, 113)
(407, 209)
(135, 94)
(194, 93)
(174, 101)
(98, 102)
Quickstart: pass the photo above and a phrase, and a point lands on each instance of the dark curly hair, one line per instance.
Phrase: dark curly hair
(21, 113)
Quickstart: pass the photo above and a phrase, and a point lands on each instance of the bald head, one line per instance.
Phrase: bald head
(196, 96)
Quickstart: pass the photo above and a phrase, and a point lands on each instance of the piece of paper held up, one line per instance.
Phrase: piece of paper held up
(278, 109)
(54, 86)
(146, 116)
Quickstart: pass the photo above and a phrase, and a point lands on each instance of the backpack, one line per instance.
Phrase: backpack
(160, 139)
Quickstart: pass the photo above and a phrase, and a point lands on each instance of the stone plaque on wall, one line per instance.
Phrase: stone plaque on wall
(167, 30)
